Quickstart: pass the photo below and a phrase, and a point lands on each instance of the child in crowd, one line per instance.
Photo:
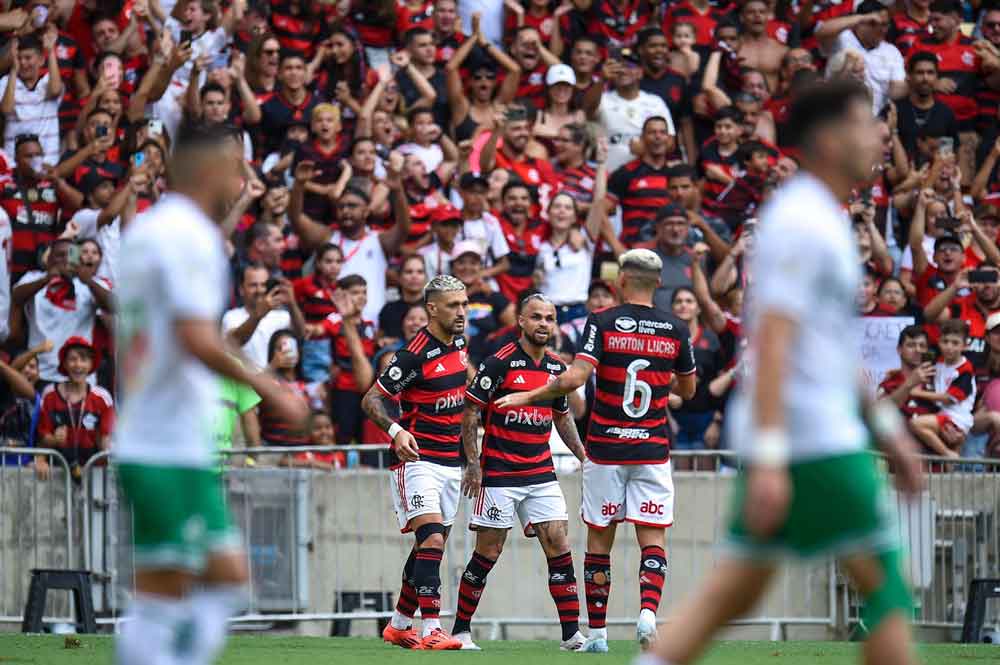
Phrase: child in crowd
(321, 434)
(954, 391)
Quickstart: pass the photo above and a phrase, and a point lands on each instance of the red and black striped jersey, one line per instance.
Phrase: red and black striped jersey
(578, 182)
(710, 155)
(904, 31)
(958, 61)
(34, 222)
(619, 26)
(341, 353)
(296, 32)
(913, 407)
(544, 24)
(641, 190)
(314, 298)
(447, 45)
(516, 444)
(429, 377)
(532, 85)
(293, 256)
(636, 350)
(374, 30)
(524, 245)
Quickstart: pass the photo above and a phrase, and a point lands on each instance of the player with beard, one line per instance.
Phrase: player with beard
(428, 375)
(190, 570)
(639, 352)
(517, 464)
(811, 487)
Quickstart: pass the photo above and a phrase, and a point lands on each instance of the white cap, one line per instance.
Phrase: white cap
(467, 247)
(641, 259)
(560, 74)
(993, 321)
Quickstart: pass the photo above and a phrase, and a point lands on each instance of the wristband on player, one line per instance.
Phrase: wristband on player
(770, 448)
(885, 421)
(393, 430)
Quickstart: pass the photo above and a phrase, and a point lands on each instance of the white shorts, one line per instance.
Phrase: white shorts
(533, 504)
(425, 488)
(639, 493)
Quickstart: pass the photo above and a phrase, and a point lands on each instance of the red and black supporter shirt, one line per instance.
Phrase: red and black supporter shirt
(341, 353)
(87, 423)
(296, 32)
(578, 182)
(277, 113)
(531, 86)
(544, 24)
(314, 298)
(636, 350)
(673, 88)
(516, 444)
(447, 45)
(709, 155)
(931, 282)
(704, 24)
(905, 31)
(374, 30)
(615, 26)
(641, 190)
(913, 407)
(429, 377)
(958, 61)
(33, 210)
(408, 19)
(524, 246)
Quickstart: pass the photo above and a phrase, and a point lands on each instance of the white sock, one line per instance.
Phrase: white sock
(429, 625)
(212, 608)
(598, 632)
(648, 615)
(649, 659)
(400, 621)
(155, 631)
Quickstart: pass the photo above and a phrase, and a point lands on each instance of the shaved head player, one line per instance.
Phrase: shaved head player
(811, 487)
(639, 352)
(428, 375)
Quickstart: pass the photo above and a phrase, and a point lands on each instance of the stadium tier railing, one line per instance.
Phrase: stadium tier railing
(38, 529)
(325, 546)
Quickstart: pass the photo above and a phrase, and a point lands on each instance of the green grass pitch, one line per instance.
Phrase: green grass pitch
(266, 650)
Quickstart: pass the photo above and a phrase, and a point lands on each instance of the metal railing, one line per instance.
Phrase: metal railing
(36, 528)
(325, 545)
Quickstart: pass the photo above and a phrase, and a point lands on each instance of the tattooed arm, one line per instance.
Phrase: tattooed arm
(473, 477)
(568, 433)
(380, 408)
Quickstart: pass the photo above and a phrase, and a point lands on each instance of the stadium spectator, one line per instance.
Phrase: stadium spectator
(640, 187)
(757, 49)
(268, 306)
(32, 90)
(412, 278)
(283, 360)
(488, 309)
(314, 296)
(920, 109)
(75, 418)
(954, 392)
(916, 371)
(672, 230)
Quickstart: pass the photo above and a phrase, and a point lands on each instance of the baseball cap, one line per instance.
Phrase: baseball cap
(641, 259)
(466, 247)
(670, 210)
(470, 179)
(77, 342)
(560, 74)
(445, 213)
(993, 321)
(629, 55)
(947, 239)
(92, 180)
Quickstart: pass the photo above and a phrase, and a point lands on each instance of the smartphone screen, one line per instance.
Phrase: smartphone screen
(983, 276)
(138, 159)
(111, 71)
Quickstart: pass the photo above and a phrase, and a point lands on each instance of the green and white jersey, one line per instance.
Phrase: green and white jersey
(173, 267)
(806, 267)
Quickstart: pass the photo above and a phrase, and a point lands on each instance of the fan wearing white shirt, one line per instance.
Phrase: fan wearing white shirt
(268, 308)
(106, 211)
(480, 226)
(30, 103)
(566, 258)
(365, 252)
(623, 111)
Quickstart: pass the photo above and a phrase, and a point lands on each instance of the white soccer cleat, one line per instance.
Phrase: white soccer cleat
(574, 643)
(597, 642)
(467, 643)
(645, 629)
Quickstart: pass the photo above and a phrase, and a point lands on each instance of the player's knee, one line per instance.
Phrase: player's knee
(491, 551)
(892, 596)
(430, 535)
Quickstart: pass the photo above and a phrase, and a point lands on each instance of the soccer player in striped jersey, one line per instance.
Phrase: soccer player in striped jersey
(429, 376)
(515, 476)
(640, 354)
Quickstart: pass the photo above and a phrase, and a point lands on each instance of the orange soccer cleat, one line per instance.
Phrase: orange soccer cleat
(438, 640)
(406, 638)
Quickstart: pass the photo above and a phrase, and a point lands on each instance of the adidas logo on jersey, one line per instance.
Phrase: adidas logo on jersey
(440, 368)
(519, 380)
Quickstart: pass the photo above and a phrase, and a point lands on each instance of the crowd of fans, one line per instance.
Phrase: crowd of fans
(520, 145)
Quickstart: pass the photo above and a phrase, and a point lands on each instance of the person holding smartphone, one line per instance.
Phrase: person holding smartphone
(269, 306)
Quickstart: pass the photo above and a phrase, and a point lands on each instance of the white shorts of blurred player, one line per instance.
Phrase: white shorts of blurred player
(496, 507)
(638, 493)
(424, 488)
